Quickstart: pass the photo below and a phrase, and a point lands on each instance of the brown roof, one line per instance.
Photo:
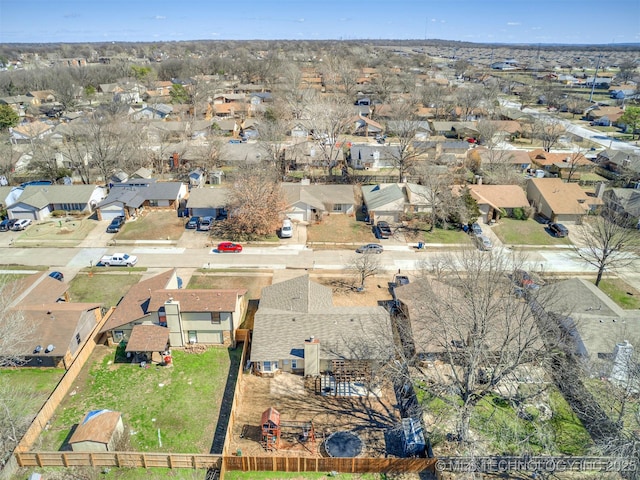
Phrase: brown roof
(97, 426)
(564, 198)
(542, 158)
(516, 157)
(499, 196)
(53, 324)
(36, 289)
(270, 415)
(148, 338)
(197, 300)
(135, 303)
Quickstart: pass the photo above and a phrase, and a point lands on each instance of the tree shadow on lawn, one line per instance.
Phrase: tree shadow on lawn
(227, 401)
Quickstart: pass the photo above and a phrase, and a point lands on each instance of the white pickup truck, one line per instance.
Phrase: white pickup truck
(118, 259)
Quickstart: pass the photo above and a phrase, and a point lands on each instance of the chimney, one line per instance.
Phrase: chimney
(600, 189)
(311, 357)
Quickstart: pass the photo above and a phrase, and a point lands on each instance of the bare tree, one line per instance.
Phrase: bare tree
(329, 121)
(364, 265)
(255, 204)
(405, 150)
(438, 98)
(480, 331)
(608, 242)
(548, 131)
(273, 142)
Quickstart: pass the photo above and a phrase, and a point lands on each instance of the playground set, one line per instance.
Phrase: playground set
(279, 434)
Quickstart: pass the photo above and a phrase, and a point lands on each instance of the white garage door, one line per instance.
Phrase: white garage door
(17, 214)
(296, 217)
(111, 214)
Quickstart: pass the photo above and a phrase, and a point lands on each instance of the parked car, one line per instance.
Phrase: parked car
(7, 224)
(57, 276)
(559, 230)
(483, 242)
(118, 260)
(286, 231)
(383, 230)
(370, 248)
(21, 224)
(229, 247)
(524, 279)
(205, 223)
(193, 222)
(475, 229)
(115, 224)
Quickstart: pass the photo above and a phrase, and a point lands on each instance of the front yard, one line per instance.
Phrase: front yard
(52, 232)
(526, 232)
(103, 288)
(179, 404)
(153, 225)
(340, 229)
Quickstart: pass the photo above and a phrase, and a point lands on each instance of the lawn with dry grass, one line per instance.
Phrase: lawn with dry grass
(340, 229)
(153, 225)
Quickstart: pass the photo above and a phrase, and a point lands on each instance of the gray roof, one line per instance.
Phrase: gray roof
(628, 198)
(318, 196)
(40, 196)
(599, 321)
(365, 151)
(208, 198)
(134, 194)
(295, 310)
(384, 196)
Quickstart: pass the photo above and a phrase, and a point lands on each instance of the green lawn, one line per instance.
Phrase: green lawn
(39, 380)
(525, 232)
(182, 401)
(154, 225)
(253, 283)
(55, 232)
(340, 229)
(113, 473)
(103, 288)
(621, 292)
(439, 235)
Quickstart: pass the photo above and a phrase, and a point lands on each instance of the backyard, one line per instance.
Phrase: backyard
(177, 405)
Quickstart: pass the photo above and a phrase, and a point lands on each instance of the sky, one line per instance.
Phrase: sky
(480, 21)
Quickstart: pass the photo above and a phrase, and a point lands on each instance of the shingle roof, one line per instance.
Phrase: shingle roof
(291, 312)
(193, 300)
(499, 196)
(97, 426)
(40, 196)
(564, 198)
(208, 198)
(384, 196)
(318, 196)
(148, 338)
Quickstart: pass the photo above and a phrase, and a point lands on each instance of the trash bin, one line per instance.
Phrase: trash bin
(420, 245)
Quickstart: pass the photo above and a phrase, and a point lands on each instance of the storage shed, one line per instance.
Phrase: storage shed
(99, 431)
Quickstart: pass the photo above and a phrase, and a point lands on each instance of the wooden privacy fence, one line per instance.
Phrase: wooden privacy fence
(117, 459)
(61, 390)
(329, 464)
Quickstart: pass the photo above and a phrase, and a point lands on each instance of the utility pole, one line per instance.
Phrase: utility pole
(595, 77)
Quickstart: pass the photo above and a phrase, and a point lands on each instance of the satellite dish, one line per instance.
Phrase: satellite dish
(38, 349)
(50, 348)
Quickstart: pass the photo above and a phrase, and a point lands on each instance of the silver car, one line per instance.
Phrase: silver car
(483, 242)
(370, 248)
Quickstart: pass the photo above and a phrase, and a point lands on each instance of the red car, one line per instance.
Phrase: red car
(229, 247)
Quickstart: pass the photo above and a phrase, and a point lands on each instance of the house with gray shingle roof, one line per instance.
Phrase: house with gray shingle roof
(36, 202)
(298, 329)
(385, 201)
(208, 202)
(190, 316)
(625, 201)
(130, 198)
(310, 202)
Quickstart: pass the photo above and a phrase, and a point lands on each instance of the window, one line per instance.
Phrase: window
(118, 335)
(162, 317)
(337, 207)
(78, 339)
(294, 364)
(153, 203)
(269, 366)
(215, 318)
(193, 336)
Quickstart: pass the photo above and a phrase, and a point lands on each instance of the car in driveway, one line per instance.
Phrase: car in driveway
(558, 230)
(57, 276)
(205, 224)
(475, 229)
(383, 230)
(193, 222)
(116, 224)
(21, 224)
(524, 279)
(229, 247)
(7, 224)
(370, 248)
(483, 242)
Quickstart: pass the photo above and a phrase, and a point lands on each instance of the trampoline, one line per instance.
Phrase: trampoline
(343, 444)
